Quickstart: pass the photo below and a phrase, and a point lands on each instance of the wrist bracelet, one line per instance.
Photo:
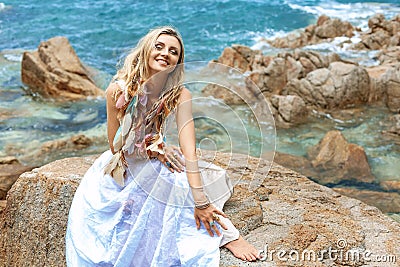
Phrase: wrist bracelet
(202, 206)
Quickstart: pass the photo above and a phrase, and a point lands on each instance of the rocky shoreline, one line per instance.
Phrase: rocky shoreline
(298, 84)
(288, 211)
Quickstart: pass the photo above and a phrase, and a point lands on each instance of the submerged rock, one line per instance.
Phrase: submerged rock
(54, 70)
(10, 170)
(392, 128)
(55, 149)
(286, 211)
(388, 202)
(337, 160)
(391, 185)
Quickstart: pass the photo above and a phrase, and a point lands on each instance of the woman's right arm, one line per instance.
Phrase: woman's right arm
(112, 111)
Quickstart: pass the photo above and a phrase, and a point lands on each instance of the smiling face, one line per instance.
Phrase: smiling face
(165, 54)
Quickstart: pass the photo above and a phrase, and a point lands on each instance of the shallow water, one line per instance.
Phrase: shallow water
(101, 31)
(363, 128)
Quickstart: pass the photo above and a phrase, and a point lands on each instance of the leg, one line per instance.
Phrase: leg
(236, 244)
(217, 184)
(242, 249)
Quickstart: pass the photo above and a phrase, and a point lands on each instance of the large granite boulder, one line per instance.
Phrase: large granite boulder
(385, 85)
(338, 160)
(391, 81)
(377, 78)
(382, 33)
(54, 70)
(286, 211)
(269, 73)
(288, 110)
(238, 56)
(323, 31)
(389, 55)
(341, 85)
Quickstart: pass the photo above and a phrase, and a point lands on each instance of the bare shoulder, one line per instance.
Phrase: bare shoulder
(112, 88)
(185, 95)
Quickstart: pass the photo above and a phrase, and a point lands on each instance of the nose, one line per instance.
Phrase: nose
(164, 51)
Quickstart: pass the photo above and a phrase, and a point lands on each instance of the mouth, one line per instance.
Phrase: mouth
(162, 62)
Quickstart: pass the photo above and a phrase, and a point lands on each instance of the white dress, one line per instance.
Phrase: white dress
(148, 222)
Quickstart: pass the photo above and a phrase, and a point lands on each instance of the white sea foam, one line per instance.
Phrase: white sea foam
(3, 6)
(12, 55)
(260, 39)
(340, 46)
(356, 13)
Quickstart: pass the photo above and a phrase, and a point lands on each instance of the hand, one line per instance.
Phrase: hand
(173, 155)
(209, 217)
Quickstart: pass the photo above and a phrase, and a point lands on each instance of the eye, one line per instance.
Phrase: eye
(174, 52)
(158, 46)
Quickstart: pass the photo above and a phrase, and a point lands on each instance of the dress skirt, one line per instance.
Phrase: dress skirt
(147, 222)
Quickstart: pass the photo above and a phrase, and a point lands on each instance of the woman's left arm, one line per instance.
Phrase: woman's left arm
(187, 142)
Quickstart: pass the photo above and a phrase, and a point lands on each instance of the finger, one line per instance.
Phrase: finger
(220, 213)
(178, 159)
(168, 164)
(216, 230)
(177, 149)
(208, 228)
(170, 168)
(218, 220)
(179, 156)
(197, 222)
(178, 162)
(174, 166)
(177, 165)
(181, 162)
(222, 225)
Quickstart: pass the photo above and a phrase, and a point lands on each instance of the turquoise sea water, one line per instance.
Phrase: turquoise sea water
(102, 31)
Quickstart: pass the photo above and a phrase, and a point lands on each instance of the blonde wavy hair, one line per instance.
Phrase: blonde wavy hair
(135, 71)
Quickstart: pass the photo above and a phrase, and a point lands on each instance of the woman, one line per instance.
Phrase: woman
(131, 208)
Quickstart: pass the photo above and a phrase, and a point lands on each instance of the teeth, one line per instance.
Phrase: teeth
(161, 60)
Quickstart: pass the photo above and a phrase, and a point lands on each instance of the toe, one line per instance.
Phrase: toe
(249, 257)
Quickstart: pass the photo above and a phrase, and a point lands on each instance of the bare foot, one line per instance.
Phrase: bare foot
(242, 249)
